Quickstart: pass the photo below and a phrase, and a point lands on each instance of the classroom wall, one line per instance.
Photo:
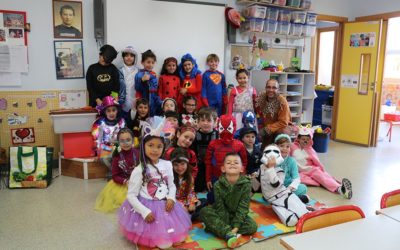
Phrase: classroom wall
(371, 7)
(42, 71)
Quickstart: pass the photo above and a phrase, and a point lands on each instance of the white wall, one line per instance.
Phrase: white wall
(42, 71)
(371, 7)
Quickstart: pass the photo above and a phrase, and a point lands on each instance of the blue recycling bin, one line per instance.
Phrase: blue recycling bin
(321, 142)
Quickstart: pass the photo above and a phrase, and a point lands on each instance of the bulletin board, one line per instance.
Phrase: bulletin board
(30, 109)
(12, 28)
(279, 55)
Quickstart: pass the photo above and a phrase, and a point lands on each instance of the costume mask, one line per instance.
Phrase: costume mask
(226, 128)
(272, 151)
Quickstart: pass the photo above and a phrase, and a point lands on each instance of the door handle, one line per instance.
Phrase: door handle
(372, 86)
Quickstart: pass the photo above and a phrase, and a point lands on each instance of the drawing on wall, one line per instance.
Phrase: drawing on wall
(15, 119)
(362, 39)
(12, 28)
(69, 59)
(22, 135)
(67, 19)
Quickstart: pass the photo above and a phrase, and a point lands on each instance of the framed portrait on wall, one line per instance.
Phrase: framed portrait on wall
(68, 56)
(67, 19)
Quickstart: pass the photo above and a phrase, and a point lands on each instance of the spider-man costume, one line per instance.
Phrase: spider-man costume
(217, 149)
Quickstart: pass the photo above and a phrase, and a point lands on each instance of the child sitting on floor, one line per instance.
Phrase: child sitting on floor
(228, 216)
(311, 170)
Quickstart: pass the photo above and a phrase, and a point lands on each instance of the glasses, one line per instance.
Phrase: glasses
(271, 87)
(127, 141)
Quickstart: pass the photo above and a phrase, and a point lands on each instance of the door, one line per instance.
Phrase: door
(356, 112)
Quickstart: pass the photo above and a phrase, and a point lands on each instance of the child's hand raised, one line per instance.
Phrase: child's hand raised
(149, 218)
(183, 91)
(146, 77)
(169, 205)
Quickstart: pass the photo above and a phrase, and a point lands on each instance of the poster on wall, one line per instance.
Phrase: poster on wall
(72, 99)
(362, 39)
(22, 135)
(12, 28)
(69, 59)
(67, 19)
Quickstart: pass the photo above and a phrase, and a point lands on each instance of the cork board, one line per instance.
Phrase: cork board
(283, 55)
(29, 109)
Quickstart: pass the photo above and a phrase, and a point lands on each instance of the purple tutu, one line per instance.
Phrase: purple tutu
(167, 229)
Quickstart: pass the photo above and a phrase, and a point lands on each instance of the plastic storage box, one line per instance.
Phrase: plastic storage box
(311, 18)
(73, 123)
(305, 4)
(299, 17)
(255, 11)
(272, 14)
(309, 30)
(270, 26)
(283, 28)
(85, 142)
(265, 1)
(392, 117)
(296, 29)
(280, 2)
(254, 24)
(293, 3)
(284, 15)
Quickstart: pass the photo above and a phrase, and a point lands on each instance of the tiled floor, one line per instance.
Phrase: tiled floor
(62, 216)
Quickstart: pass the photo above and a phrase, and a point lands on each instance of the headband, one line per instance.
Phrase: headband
(185, 128)
(180, 158)
(280, 136)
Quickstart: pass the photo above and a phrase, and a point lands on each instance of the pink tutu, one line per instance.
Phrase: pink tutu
(167, 229)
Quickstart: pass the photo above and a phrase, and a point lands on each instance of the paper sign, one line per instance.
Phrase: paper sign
(72, 99)
(349, 81)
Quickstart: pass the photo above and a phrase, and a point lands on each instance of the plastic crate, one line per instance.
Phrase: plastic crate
(296, 29)
(280, 2)
(255, 11)
(283, 28)
(284, 16)
(270, 26)
(293, 3)
(311, 18)
(254, 25)
(305, 4)
(73, 123)
(299, 17)
(391, 117)
(272, 14)
(309, 30)
(265, 1)
(326, 115)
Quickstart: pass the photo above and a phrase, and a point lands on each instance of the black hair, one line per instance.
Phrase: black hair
(67, 7)
(239, 71)
(122, 131)
(148, 54)
(172, 114)
(164, 70)
(232, 154)
(145, 160)
(143, 102)
(187, 176)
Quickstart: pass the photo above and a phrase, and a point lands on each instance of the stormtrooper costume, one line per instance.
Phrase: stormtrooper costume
(285, 204)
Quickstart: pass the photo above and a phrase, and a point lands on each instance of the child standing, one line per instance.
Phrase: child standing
(136, 118)
(312, 171)
(146, 83)
(213, 90)
(285, 204)
(289, 165)
(188, 115)
(169, 82)
(124, 160)
(242, 98)
(248, 137)
(105, 129)
(228, 216)
(128, 70)
(184, 139)
(103, 78)
(191, 82)
(206, 133)
(150, 216)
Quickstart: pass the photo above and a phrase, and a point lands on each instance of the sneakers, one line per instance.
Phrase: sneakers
(231, 240)
(346, 189)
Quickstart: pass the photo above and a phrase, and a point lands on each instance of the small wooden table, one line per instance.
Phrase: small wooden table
(391, 212)
(376, 232)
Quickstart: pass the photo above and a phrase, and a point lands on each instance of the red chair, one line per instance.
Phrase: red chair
(390, 199)
(328, 217)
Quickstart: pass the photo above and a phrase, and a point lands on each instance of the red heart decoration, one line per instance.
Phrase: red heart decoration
(23, 133)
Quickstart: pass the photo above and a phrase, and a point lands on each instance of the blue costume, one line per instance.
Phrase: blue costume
(213, 90)
(148, 91)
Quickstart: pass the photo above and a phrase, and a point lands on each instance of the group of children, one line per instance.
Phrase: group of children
(161, 154)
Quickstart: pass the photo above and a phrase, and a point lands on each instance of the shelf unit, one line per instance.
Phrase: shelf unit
(298, 88)
(249, 3)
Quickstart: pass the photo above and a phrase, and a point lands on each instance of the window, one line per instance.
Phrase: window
(326, 49)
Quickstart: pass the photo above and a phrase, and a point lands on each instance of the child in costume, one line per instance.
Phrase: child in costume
(311, 170)
(184, 182)
(213, 90)
(137, 116)
(128, 70)
(173, 118)
(241, 98)
(146, 83)
(289, 165)
(249, 120)
(217, 149)
(188, 114)
(285, 203)
(228, 216)
(184, 139)
(103, 78)
(151, 216)
(169, 82)
(206, 120)
(125, 158)
(248, 137)
(191, 82)
(169, 104)
(105, 129)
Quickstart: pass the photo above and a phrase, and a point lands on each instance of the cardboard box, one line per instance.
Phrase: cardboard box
(83, 168)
